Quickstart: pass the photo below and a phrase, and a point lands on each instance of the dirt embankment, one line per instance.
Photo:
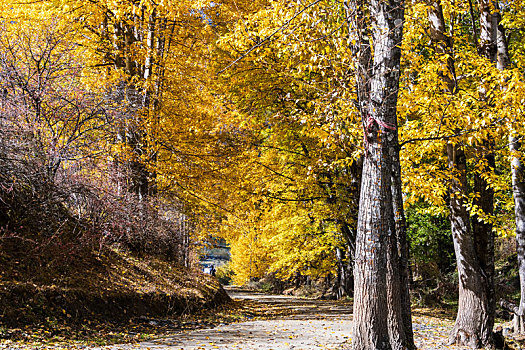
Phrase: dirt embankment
(86, 291)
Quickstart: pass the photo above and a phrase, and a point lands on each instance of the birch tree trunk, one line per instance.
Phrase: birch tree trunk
(518, 186)
(518, 191)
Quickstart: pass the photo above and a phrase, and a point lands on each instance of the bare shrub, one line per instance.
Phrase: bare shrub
(58, 184)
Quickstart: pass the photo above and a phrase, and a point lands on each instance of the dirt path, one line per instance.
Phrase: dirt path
(312, 324)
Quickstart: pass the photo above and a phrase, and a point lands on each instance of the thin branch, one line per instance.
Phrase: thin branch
(280, 149)
(193, 194)
(263, 41)
(448, 137)
(274, 171)
(290, 199)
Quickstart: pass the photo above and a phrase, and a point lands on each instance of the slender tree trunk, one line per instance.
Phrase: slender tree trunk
(359, 32)
(345, 259)
(503, 59)
(346, 276)
(344, 284)
(376, 272)
(518, 190)
(402, 248)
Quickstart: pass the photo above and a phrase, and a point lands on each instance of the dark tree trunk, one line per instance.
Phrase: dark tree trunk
(138, 181)
(345, 259)
(347, 225)
(402, 248)
(484, 240)
(377, 271)
(395, 313)
(473, 327)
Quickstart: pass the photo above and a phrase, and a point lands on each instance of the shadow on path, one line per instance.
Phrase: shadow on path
(309, 324)
(301, 308)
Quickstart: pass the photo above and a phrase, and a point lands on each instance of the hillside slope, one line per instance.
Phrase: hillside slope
(81, 294)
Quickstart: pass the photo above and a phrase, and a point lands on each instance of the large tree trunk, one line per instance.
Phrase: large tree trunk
(483, 237)
(482, 228)
(370, 297)
(376, 272)
(474, 319)
(133, 132)
(395, 312)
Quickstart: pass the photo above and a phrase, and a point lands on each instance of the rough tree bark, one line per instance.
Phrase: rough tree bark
(473, 325)
(370, 314)
(377, 261)
(482, 229)
(483, 237)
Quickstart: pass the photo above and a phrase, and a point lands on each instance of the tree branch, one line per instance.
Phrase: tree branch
(263, 41)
